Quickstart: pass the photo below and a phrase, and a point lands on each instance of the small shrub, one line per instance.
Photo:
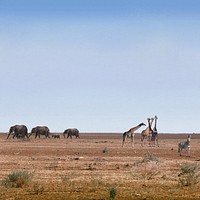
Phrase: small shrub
(105, 150)
(113, 192)
(65, 178)
(149, 171)
(189, 175)
(148, 167)
(17, 179)
(38, 189)
(149, 157)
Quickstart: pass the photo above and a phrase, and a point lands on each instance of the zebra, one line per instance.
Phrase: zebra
(184, 145)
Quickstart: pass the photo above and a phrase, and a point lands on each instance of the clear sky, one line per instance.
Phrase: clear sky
(100, 65)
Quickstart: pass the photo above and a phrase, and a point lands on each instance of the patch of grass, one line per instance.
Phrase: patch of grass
(65, 178)
(189, 175)
(101, 190)
(38, 188)
(113, 192)
(17, 179)
(147, 168)
(149, 157)
(149, 171)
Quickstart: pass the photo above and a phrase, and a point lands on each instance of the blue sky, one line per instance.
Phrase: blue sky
(100, 65)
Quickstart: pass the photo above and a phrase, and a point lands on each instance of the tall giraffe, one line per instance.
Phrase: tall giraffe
(155, 133)
(131, 133)
(147, 132)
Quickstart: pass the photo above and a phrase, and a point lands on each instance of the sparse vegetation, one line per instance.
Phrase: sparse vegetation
(113, 192)
(65, 178)
(149, 157)
(189, 175)
(78, 169)
(17, 179)
(38, 188)
(148, 167)
(149, 171)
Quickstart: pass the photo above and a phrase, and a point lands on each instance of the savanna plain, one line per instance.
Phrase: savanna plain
(97, 167)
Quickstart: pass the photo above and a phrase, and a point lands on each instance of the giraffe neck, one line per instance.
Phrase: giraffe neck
(150, 124)
(135, 128)
(155, 129)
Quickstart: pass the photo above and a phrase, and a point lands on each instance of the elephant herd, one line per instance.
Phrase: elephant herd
(21, 131)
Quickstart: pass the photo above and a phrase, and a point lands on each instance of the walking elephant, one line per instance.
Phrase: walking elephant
(40, 130)
(19, 131)
(71, 132)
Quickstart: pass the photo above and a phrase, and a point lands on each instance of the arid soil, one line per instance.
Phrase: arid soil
(95, 164)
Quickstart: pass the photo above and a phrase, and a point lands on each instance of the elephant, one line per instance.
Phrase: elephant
(40, 130)
(70, 132)
(55, 136)
(19, 131)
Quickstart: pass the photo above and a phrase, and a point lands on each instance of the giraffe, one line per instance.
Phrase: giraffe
(155, 133)
(147, 132)
(131, 133)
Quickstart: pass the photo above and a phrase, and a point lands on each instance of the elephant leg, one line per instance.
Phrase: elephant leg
(69, 135)
(15, 135)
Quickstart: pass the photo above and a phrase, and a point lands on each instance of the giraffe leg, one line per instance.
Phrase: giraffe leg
(124, 139)
(150, 140)
(132, 140)
(142, 140)
(157, 140)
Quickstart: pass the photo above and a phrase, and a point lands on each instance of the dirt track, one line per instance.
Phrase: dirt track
(93, 155)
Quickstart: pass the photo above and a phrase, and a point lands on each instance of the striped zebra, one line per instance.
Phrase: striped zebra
(184, 145)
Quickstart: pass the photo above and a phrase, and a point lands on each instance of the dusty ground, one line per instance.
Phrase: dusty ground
(88, 168)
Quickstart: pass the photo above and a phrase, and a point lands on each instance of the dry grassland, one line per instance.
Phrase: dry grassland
(97, 167)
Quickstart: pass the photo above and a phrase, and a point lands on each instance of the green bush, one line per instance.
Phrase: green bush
(17, 179)
(113, 192)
